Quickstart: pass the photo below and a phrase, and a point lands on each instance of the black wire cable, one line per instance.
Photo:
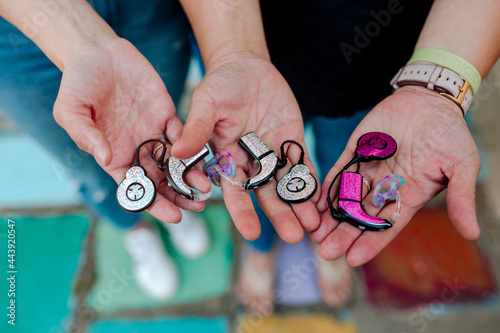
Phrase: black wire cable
(282, 159)
(159, 162)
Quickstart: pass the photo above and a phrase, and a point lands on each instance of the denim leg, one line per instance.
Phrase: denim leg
(160, 30)
(331, 135)
(267, 236)
(29, 83)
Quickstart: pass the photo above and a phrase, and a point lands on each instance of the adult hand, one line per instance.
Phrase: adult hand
(242, 93)
(435, 151)
(111, 99)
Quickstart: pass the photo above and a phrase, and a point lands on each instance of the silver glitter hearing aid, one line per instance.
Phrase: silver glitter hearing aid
(174, 171)
(137, 192)
(298, 184)
(267, 160)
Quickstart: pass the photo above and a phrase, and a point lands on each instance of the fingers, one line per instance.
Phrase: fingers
(370, 243)
(77, 122)
(199, 126)
(360, 246)
(339, 241)
(461, 210)
(193, 178)
(279, 213)
(461, 199)
(164, 210)
(315, 198)
(307, 215)
(173, 129)
(326, 226)
(240, 207)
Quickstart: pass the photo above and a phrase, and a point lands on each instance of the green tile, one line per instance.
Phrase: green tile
(47, 253)
(205, 325)
(206, 277)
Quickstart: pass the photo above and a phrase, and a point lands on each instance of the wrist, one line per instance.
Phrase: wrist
(448, 60)
(80, 38)
(83, 29)
(438, 79)
(235, 49)
(431, 96)
(69, 28)
(222, 34)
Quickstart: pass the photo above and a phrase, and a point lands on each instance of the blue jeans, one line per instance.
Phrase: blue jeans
(29, 83)
(331, 136)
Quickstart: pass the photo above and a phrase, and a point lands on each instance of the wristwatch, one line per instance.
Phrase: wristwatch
(440, 79)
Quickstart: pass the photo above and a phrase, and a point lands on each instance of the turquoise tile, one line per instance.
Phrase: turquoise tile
(47, 252)
(205, 277)
(32, 177)
(186, 324)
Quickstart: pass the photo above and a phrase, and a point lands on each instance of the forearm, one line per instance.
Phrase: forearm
(222, 28)
(61, 28)
(467, 28)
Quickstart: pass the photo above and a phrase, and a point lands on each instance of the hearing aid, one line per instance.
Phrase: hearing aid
(137, 191)
(215, 171)
(267, 160)
(370, 147)
(382, 194)
(174, 172)
(298, 185)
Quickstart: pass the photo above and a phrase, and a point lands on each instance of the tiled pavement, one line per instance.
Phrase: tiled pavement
(65, 265)
(428, 280)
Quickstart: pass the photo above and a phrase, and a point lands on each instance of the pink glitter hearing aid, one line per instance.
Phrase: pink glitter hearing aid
(371, 146)
(375, 146)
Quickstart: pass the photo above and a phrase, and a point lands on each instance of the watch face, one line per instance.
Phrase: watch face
(296, 184)
(135, 191)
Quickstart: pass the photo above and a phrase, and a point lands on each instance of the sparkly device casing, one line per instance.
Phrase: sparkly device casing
(351, 207)
(136, 192)
(297, 185)
(267, 158)
(175, 173)
(375, 146)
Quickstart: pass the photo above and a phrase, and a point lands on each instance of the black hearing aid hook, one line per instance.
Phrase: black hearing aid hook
(282, 161)
(159, 162)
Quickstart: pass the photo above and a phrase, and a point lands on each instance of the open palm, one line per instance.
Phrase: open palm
(110, 100)
(244, 94)
(435, 151)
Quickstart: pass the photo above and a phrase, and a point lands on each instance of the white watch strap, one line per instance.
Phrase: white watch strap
(436, 78)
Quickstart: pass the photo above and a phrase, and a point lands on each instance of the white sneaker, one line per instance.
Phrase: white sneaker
(154, 271)
(190, 236)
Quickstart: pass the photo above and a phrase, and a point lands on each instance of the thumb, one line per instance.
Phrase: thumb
(81, 128)
(199, 126)
(461, 200)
